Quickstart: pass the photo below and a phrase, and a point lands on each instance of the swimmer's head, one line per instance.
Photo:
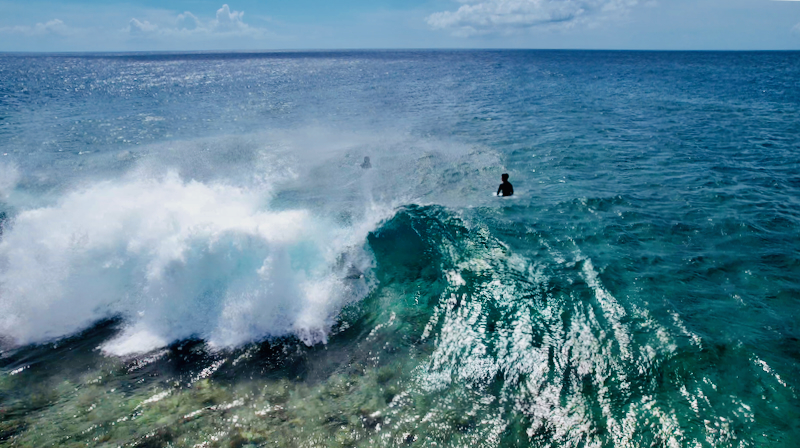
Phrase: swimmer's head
(504, 177)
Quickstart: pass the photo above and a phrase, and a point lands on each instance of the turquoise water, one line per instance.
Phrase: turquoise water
(192, 256)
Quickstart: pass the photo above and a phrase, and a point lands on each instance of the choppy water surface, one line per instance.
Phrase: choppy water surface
(192, 256)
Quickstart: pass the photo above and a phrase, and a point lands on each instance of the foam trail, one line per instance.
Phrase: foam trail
(175, 259)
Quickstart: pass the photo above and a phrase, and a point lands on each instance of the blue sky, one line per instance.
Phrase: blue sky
(93, 25)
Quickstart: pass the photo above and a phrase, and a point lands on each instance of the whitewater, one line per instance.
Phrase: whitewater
(191, 253)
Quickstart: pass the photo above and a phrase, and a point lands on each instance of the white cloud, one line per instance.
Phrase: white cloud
(226, 22)
(141, 27)
(187, 21)
(504, 16)
(54, 26)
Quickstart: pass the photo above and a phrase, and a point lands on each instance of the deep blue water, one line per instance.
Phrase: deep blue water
(191, 254)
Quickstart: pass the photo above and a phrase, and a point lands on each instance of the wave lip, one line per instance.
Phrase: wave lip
(174, 259)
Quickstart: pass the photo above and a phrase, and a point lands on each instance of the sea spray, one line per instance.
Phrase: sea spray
(175, 259)
(9, 176)
(186, 243)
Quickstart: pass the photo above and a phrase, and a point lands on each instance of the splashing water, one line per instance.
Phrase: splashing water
(175, 259)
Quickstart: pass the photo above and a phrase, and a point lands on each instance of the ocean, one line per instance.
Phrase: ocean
(192, 255)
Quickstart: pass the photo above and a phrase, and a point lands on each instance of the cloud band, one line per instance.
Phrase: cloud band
(489, 16)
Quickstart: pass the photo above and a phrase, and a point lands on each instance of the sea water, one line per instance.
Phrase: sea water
(192, 256)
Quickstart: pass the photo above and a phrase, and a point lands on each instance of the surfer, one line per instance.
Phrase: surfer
(506, 188)
(366, 163)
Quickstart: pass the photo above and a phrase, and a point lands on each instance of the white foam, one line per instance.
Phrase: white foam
(175, 259)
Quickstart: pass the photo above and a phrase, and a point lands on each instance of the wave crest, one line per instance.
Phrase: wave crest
(175, 259)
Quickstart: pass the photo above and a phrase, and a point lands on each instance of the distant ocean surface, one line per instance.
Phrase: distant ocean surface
(191, 254)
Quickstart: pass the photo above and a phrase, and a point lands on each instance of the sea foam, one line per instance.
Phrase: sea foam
(175, 259)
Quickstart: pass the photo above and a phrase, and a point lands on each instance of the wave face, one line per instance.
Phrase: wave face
(540, 350)
(192, 255)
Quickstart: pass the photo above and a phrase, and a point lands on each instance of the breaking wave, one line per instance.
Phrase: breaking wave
(176, 259)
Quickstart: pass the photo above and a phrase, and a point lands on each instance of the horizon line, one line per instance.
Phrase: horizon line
(400, 49)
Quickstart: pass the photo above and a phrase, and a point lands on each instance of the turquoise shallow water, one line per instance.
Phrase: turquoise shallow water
(191, 254)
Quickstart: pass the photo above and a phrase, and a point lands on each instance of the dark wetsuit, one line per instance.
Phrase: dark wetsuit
(506, 188)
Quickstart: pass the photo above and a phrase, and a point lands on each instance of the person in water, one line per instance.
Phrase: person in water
(506, 188)
(366, 163)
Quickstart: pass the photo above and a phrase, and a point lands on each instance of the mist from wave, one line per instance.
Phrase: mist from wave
(188, 242)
